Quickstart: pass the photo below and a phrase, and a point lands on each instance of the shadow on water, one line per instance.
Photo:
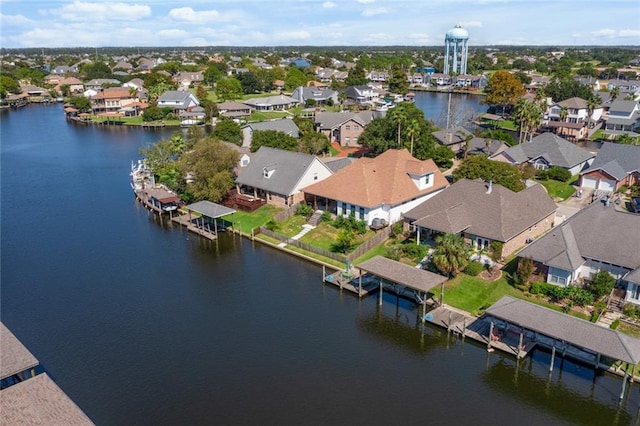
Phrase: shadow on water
(556, 395)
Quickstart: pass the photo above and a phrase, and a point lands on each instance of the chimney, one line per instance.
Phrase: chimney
(449, 136)
(489, 187)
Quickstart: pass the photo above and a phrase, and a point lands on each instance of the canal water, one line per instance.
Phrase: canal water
(462, 107)
(142, 323)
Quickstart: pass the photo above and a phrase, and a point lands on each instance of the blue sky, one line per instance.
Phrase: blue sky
(98, 23)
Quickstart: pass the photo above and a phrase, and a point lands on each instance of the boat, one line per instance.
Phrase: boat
(141, 176)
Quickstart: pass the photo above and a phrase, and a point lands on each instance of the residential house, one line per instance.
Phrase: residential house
(64, 70)
(383, 187)
(279, 176)
(75, 85)
(537, 82)
(186, 79)
(484, 212)
(230, 109)
(378, 76)
(315, 95)
(362, 95)
(98, 84)
(284, 125)
(454, 138)
(111, 100)
(470, 81)
(440, 80)
(326, 75)
(343, 127)
(615, 165)
(278, 85)
(547, 150)
(35, 93)
(271, 103)
(123, 66)
(575, 125)
(178, 100)
(134, 83)
(623, 118)
(599, 237)
(484, 146)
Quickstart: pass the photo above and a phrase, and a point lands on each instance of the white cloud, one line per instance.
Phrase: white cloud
(291, 35)
(374, 11)
(172, 33)
(366, 1)
(421, 38)
(187, 14)
(629, 33)
(604, 33)
(91, 12)
(378, 38)
(15, 20)
(328, 5)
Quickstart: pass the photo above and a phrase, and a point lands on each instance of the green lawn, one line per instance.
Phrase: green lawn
(267, 115)
(558, 189)
(324, 236)
(292, 226)
(248, 221)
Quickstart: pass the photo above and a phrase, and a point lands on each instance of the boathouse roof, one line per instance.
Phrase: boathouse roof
(209, 209)
(408, 276)
(566, 328)
(14, 356)
(39, 401)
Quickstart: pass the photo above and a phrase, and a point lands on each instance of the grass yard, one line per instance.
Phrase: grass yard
(558, 189)
(324, 236)
(629, 329)
(292, 226)
(267, 115)
(248, 221)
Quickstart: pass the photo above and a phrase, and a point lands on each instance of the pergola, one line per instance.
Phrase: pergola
(414, 278)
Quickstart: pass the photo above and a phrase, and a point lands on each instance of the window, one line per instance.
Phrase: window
(347, 127)
(558, 276)
(356, 127)
(361, 211)
(635, 293)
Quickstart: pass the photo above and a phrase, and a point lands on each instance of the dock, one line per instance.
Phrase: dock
(360, 285)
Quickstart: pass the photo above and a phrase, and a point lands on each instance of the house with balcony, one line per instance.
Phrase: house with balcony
(178, 100)
(577, 122)
(362, 95)
(315, 95)
(112, 100)
(483, 212)
(623, 118)
(599, 237)
(343, 127)
(384, 187)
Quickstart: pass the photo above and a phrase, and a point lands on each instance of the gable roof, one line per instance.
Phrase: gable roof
(574, 103)
(618, 160)
(271, 101)
(500, 214)
(337, 163)
(620, 105)
(451, 136)
(554, 149)
(288, 166)
(284, 125)
(479, 146)
(371, 182)
(597, 232)
(174, 96)
(331, 120)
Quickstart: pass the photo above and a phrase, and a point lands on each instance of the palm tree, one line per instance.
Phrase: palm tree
(450, 255)
(534, 119)
(564, 112)
(342, 96)
(520, 115)
(615, 92)
(398, 116)
(413, 129)
(592, 103)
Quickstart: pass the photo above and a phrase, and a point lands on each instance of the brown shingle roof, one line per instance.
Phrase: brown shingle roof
(14, 356)
(370, 182)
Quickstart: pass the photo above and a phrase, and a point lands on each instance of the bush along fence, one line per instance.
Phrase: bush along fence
(376, 240)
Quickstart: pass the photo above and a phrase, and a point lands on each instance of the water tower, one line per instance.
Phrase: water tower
(456, 50)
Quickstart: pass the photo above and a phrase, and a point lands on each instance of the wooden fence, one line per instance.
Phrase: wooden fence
(377, 239)
(301, 245)
(286, 214)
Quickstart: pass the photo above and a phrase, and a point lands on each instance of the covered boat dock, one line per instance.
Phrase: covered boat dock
(418, 280)
(206, 222)
(575, 337)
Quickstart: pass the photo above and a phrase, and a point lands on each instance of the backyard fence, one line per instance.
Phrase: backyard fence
(286, 214)
(301, 245)
(376, 240)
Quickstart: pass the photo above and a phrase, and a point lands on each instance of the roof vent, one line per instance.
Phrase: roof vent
(489, 187)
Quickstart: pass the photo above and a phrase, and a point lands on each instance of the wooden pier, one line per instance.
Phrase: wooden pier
(358, 284)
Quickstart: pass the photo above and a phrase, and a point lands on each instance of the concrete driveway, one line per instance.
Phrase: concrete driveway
(572, 205)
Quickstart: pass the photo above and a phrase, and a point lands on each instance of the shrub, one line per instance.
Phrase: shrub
(326, 217)
(392, 253)
(631, 310)
(304, 210)
(580, 296)
(414, 251)
(601, 284)
(272, 225)
(558, 173)
(615, 324)
(542, 288)
(567, 307)
(496, 250)
(473, 268)
(623, 189)
(597, 310)
(542, 174)
(397, 229)
(350, 223)
(525, 270)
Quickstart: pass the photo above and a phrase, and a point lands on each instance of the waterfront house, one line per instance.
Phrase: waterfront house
(271, 103)
(623, 117)
(343, 127)
(362, 95)
(315, 95)
(111, 100)
(383, 187)
(578, 120)
(98, 84)
(454, 138)
(483, 212)
(616, 165)
(284, 125)
(234, 110)
(75, 85)
(599, 237)
(178, 100)
(545, 151)
(278, 176)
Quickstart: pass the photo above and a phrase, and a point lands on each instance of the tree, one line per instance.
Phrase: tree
(450, 255)
(213, 73)
(560, 89)
(345, 241)
(342, 96)
(273, 139)
(152, 113)
(228, 89)
(615, 92)
(81, 103)
(314, 143)
(96, 69)
(601, 284)
(480, 167)
(8, 84)
(503, 89)
(413, 128)
(398, 82)
(564, 113)
(626, 139)
(398, 116)
(295, 78)
(211, 164)
(525, 270)
(229, 131)
(249, 83)
(357, 75)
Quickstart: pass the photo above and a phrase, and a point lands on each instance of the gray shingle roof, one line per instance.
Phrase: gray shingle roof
(209, 209)
(633, 276)
(451, 136)
(289, 168)
(478, 146)
(599, 232)
(554, 149)
(174, 96)
(570, 329)
(331, 120)
(336, 163)
(415, 278)
(623, 106)
(285, 125)
(499, 215)
(616, 159)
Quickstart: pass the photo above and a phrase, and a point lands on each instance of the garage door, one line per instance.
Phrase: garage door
(588, 182)
(607, 185)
